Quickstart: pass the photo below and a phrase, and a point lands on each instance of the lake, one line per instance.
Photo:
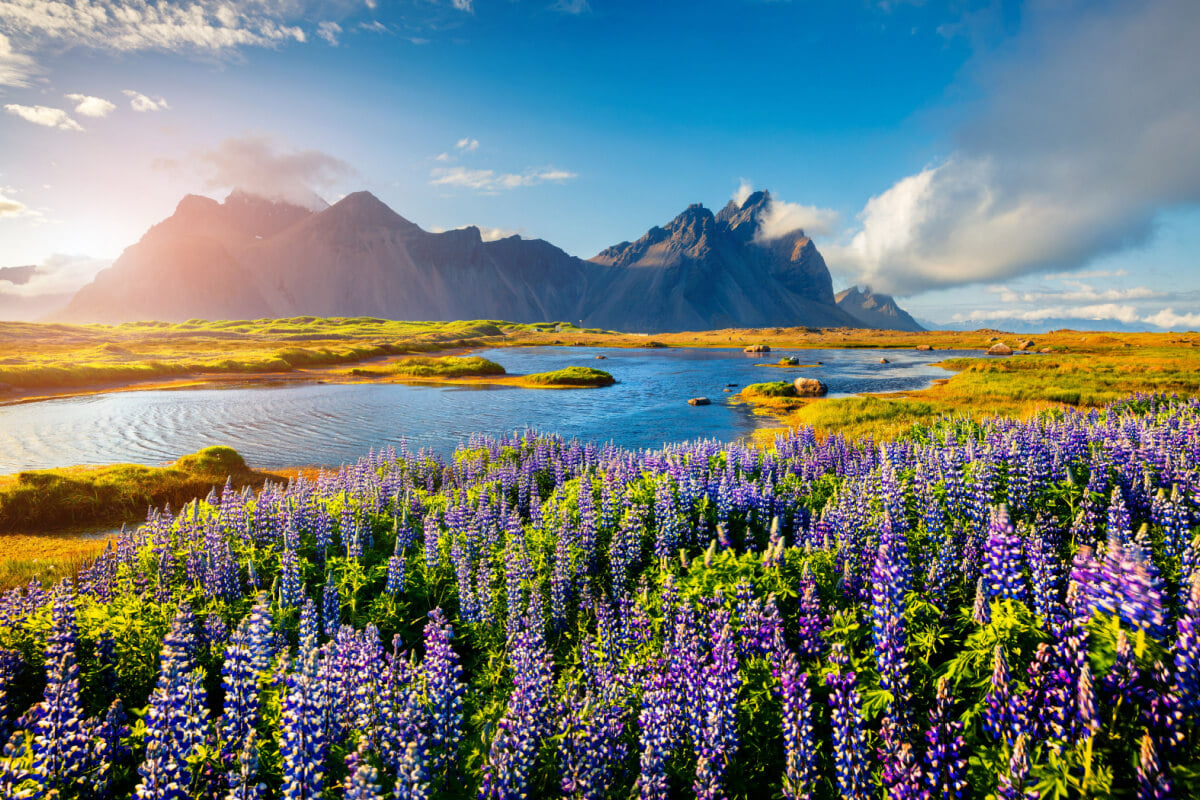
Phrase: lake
(298, 424)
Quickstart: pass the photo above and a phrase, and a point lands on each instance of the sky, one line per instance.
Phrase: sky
(986, 162)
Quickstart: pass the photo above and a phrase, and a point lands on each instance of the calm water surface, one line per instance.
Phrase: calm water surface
(328, 425)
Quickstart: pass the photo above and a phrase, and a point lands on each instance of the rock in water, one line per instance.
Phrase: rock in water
(699, 401)
(810, 387)
(999, 349)
(758, 348)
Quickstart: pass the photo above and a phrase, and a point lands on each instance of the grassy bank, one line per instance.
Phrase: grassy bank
(54, 499)
(1095, 373)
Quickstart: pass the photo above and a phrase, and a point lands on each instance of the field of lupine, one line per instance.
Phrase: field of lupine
(1006, 610)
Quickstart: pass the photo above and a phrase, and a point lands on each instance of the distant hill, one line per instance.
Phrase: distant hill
(250, 257)
(873, 310)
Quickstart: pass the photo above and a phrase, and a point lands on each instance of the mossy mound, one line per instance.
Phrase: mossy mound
(572, 376)
(771, 389)
(447, 367)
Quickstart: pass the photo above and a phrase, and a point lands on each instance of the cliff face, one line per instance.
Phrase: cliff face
(249, 257)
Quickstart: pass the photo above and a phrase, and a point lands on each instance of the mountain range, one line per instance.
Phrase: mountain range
(250, 257)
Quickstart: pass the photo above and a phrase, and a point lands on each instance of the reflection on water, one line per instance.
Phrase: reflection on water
(327, 425)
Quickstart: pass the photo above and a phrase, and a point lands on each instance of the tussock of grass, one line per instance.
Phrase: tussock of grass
(571, 376)
(446, 367)
(46, 500)
(770, 389)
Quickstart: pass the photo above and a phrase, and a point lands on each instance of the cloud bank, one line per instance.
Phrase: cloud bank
(260, 165)
(1090, 127)
(491, 182)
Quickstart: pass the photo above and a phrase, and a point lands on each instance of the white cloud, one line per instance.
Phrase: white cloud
(140, 102)
(15, 68)
(744, 190)
(783, 218)
(487, 180)
(1167, 318)
(11, 208)
(90, 106)
(259, 165)
(44, 115)
(1070, 156)
(329, 31)
(130, 25)
(467, 144)
(464, 5)
(1083, 293)
(1122, 313)
(442, 157)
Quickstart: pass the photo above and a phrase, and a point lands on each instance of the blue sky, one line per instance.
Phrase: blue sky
(984, 161)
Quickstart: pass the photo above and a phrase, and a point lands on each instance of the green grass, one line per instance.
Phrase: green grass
(48, 500)
(770, 389)
(571, 376)
(446, 367)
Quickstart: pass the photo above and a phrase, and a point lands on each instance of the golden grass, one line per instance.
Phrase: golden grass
(47, 557)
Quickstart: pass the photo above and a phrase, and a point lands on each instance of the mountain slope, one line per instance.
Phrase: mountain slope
(249, 258)
(874, 310)
(702, 271)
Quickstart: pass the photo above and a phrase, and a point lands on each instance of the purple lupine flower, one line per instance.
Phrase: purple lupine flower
(1042, 710)
(811, 621)
(247, 657)
(1153, 783)
(901, 774)
(999, 718)
(981, 611)
(362, 779)
(331, 607)
(719, 739)
(890, 580)
(291, 590)
(945, 759)
(303, 730)
(1085, 705)
(849, 740)
(1187, 652)
(1003, 570)
(1014, 784)
(177, 721)
(519, 734)
(592, 745)
(108, 750)
(395, 570)
(658, 734)
(1123, 677)
(666, 520)
(10, 666)
(800, 746)
(60, 742)
(444, 689)
(243, 777)
(1119, 525)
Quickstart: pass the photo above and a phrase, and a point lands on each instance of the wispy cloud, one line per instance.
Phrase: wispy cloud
(140, 102)
(261, 165)
(329, 31)
(490, 181)
(1103, 311)
(572, 6)
(15, 68)
(90, 106)
(467, 144)
(10, 207)
(1030, 190)
(1082, 293)
(464, 5)
(45, 115)
(782, 218)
